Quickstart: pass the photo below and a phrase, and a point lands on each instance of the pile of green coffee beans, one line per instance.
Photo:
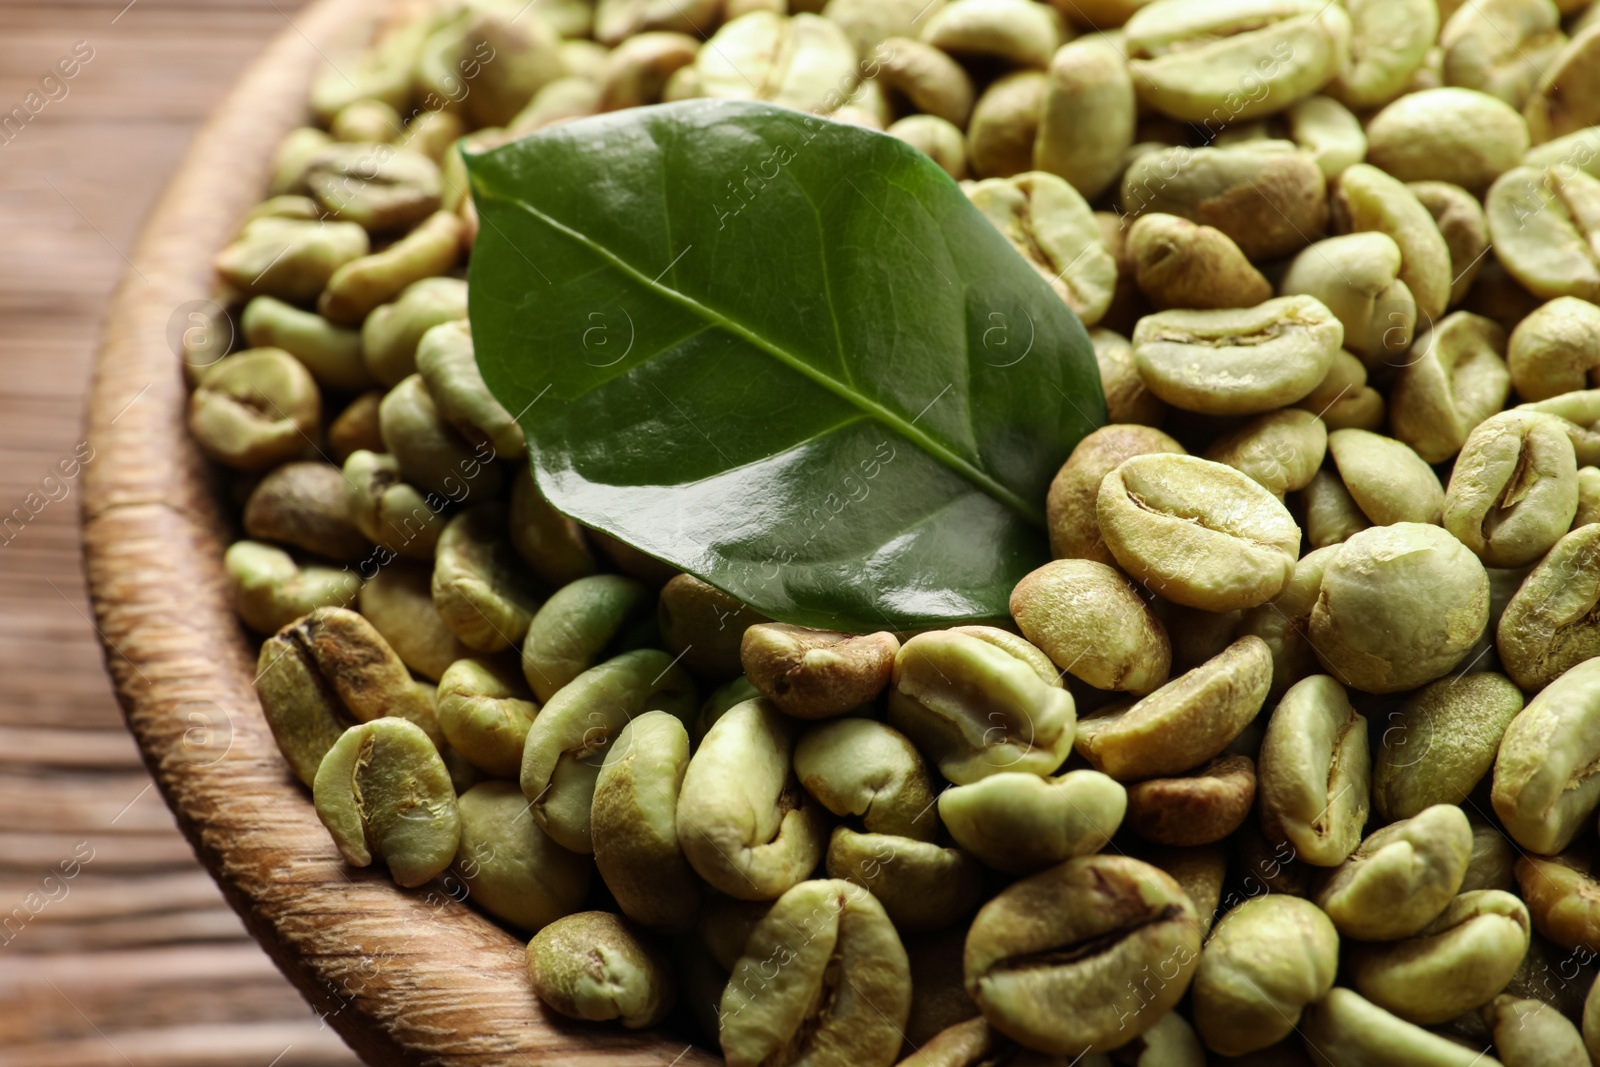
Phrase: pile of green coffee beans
(1291, 756)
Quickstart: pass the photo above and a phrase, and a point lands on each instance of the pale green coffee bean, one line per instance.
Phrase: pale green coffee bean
(1206, 805)
(378, 186)
(867, 769)
(431, 454)
(382, 73)
(383, 793)
(936, 138)
(976, 709)
(591, 965)
(569, 739)
(331, 353)
(1078, 934)
(559, 101)
(1281, 622)
(1580, 151)
(1343, 399)
(1400, 878)
(1271, 198)
(928, 79)
(1563, 899)
(1090, 622)
(255, 409)
(1579, 412)
(1178, 264)
(390, 333)
(298, 147)
(1440, 743)
(804, 62)
(1389, 481)
(1127, 399)
(398, 601)
(1280, 451)
(1492, 861)
(804, 1009)
(1071, 506)
(1453, 135)
(1501, 46)
(704, 625)
(1389, 42)
(746, 826)
(356, 428)
(634, 823)
(1556, 349)
(303, 504)
(1015, 32)
(484, 712)
(1514, 489)
(1458, 962)
(1050, 224)
(1199, 533)
(386, 510)
(1588, 497)
(921, 885)
(366, 120)
(1331, 514)
(1591, 1020)
(286, 207)
(292, 259)
(1020, 823)
(1454, 378)
(1237, 361)
(1464, 227)
(1530, 1033)
(1199, 871)
(1267, 960)
(479, 586)
(1357, 278)
(1566, 98)
(816, 674)
(1400, 606)
(362, 284)
(1545, 785)
(549, 542)
(571, 631)
(1184, 723)
(1367, 199)
(432, 133)
(1345, 1029)
(1542, 223)
(509, 865)
(269, 589)
(1087, 124)
(1205, 62)
(1325, 128)
(638, 69)
(1549, 625)
(617, 20)
(868, 23)
(1314, 772)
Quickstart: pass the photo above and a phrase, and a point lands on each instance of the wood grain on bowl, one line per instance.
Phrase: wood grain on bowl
(405, 976)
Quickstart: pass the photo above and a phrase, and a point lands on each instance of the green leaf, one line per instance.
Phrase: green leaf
(781, 353)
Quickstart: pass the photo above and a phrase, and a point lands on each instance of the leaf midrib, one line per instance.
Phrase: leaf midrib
(865, 404)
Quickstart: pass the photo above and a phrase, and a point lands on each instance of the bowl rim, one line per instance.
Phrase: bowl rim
(404, 976)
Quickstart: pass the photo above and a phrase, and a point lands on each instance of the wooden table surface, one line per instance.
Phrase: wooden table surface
(115, 948)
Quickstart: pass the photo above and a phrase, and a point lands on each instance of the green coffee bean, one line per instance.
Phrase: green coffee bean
(331, 353)
(1178, 264)
(431, 455)
(269, 589)
(705, 625)
(1441, 742)
(444, 357)
(1204, 806)
(292, 259)
(1401, 878)
(383, 792)
(976, 709)
(1346, 1028)
(1088, 119)
(921, 885)
(255, 410)
(864, 768)
(398, 601)
(1071, 507)
(816, 674)
(378, 186)
(386, 510)
(479, 589)
(1529, 1032)
(1314, 772)
(1046, 220)
(1514, 489)
(1090, 622)
(1020, 823)
(592, 966)
(633, 823)
(1367, 199)
(508, 864)
(1545, 785)
(303, 504)
(1015, 33)
(361, 284)
(572, 630)
(485, 712)
(567, 743)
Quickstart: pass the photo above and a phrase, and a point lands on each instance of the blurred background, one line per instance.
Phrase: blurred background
(115, 947)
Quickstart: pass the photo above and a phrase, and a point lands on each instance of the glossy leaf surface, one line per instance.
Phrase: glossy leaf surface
(781, 353)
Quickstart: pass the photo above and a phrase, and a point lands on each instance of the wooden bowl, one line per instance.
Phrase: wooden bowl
(405, 976)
